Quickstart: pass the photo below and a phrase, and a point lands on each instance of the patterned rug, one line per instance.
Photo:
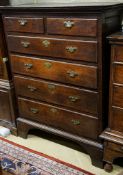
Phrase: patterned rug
(20, 160)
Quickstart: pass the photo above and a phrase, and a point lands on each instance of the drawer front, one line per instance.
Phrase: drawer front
(60, 118)
(118, 73)
(75, 74)
(118, 53)
(75, 98)
(118, 96)
(24, 24)
(117, 119)
(72, 26)
(115, 147)
(62, 48)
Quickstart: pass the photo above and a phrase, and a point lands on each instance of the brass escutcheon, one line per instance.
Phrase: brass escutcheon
(71, 49)
(73, 98)
(68, 24)
(75, 122)
(48, 65)
(34, 110)
(53, 110)
(31, 88)
(22, 22)
(72, 74)
(25, 44)
(46, 43)
(28, 65)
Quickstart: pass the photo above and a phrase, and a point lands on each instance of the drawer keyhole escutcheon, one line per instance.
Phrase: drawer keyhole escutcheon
(53, 110)
(75, 122)
(25, 44)
(34, 110)
(68, 24)
(46, 43)
(72, 74)
(48, 65)
(22, 22)
(51, 86)
(74, 98)
(31, 88)
(71, 49)
(28, 66)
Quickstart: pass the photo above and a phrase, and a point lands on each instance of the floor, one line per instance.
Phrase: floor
(50, 146)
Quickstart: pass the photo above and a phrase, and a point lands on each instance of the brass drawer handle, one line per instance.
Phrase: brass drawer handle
(68, 24)
(71, 49)
(53, 110)
(25, 44)
(5, 59)
(22, 22)
(28, 65)
(51, 86)
(75, 122)
(48, 65)
(46, 43)
(34, 110)
(73, 98)
(31, 88)
(72, 74)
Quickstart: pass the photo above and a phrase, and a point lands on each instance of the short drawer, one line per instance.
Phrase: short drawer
(54, 47)
(76, 74)
(24, 24)
(117, 119)
(76, 123)
(71, 97)
(118, 53)
(118, 96)
(115, 147)
(118, 73)
(72, 26)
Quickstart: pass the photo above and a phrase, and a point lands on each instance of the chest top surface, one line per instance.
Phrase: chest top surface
(78, 6)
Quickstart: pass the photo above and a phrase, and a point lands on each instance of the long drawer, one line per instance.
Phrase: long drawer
(76, 74)
(76, 123)
(72, 26)
(54, 47)
(75, 98)
(24, 24)
(118, 53)
(118, 73)
(117, 119)
(114, 146)
(118, 96)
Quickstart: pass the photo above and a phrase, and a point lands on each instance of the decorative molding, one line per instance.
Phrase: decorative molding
(112, 136)
(61, 133)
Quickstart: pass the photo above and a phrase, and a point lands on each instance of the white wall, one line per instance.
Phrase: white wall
(61, 1)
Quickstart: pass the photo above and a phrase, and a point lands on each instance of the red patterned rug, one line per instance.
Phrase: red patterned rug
(20, 160)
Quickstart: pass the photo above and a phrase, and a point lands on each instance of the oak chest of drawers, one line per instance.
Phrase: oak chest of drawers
(58, 65)
(113, 135)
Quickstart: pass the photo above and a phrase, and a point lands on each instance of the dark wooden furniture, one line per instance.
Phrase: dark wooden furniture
(4, 2)
(7, 116)
(60, 69)
(113, 135)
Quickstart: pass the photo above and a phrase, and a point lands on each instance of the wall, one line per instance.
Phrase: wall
(60, 1)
